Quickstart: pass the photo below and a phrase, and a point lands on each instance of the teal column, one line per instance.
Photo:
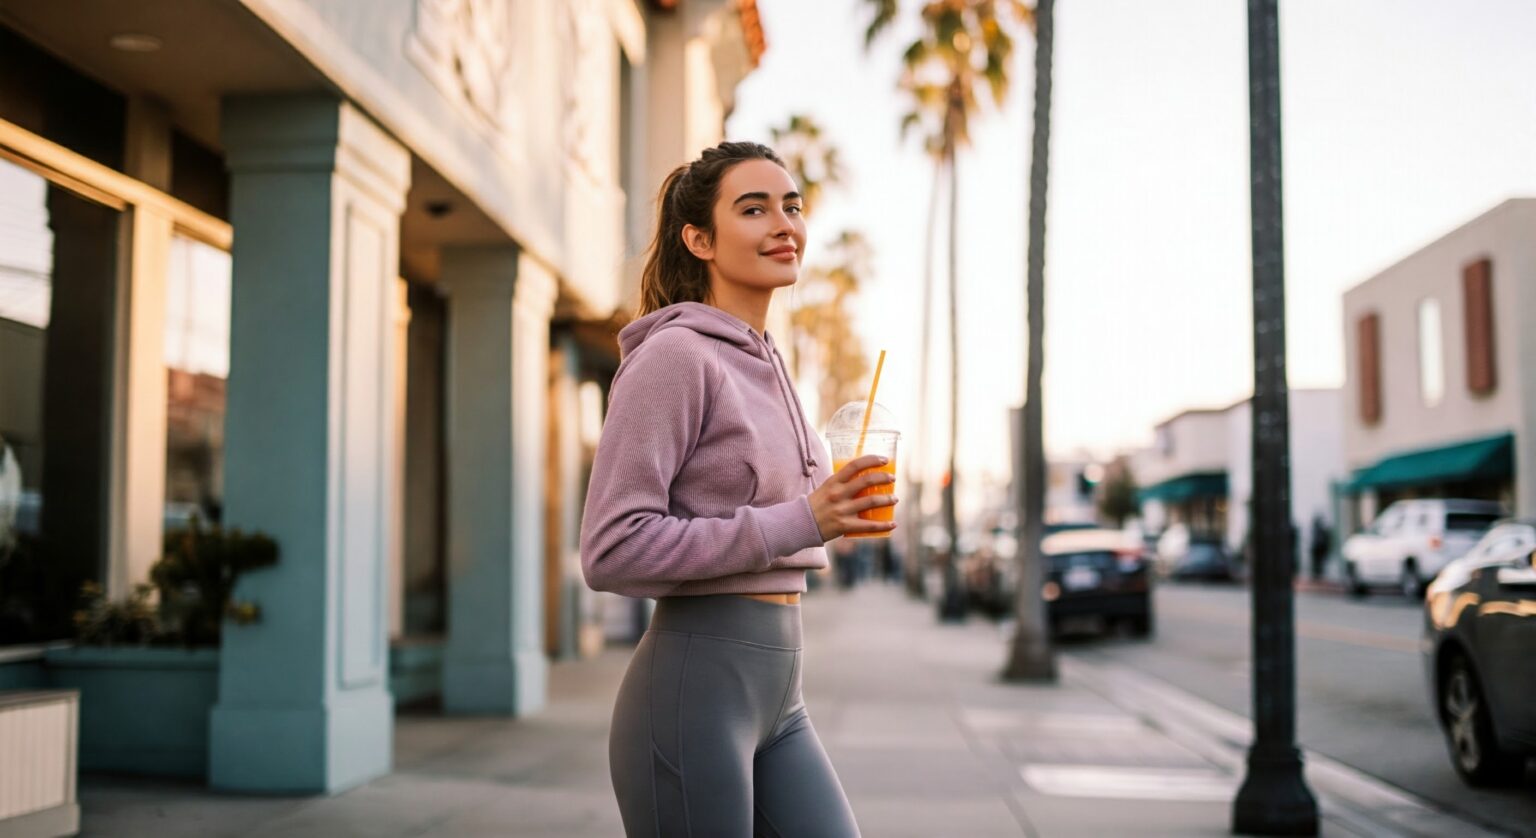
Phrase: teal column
(499, 305)
(316, 195)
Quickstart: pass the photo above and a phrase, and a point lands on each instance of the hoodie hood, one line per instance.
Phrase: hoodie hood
(701, 318)
(733, 331)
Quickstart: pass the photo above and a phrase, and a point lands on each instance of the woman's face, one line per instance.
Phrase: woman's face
(759, 231)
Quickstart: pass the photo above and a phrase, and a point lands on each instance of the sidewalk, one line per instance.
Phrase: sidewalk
(926, 741)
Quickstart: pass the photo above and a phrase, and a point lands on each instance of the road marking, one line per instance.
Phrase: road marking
(1121, 783)
(1310, 630)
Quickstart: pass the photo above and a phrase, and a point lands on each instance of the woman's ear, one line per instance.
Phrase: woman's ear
(698, 243)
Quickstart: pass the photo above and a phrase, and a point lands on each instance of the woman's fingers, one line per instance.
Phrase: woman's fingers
(874, 502)
(852, 468)
(871, 480)
(863, 526)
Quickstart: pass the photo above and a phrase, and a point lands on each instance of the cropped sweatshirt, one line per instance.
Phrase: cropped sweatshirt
(705, 464)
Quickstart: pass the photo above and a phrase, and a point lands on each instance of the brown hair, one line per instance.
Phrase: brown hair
(672, 274)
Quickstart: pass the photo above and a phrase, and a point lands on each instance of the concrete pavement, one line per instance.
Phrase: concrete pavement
(927, 742)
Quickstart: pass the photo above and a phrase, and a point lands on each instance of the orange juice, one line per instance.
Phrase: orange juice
(879, 513)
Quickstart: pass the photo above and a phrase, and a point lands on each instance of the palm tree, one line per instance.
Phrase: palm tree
(823, 327)
(813, 161)
(963, 46)
(1030, 657)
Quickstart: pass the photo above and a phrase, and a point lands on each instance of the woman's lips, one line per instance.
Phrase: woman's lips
(781, 255)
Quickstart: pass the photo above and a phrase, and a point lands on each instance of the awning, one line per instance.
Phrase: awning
(1186, 487)
(1490, 458)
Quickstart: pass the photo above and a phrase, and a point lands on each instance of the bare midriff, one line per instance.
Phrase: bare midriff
(776, 599)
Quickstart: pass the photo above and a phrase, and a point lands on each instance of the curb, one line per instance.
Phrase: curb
(1346, 796)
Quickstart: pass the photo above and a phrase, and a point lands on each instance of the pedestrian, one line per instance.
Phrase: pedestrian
(711, 492)
(1322, 544)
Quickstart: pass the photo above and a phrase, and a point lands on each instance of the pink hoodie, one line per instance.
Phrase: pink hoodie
(702, 474)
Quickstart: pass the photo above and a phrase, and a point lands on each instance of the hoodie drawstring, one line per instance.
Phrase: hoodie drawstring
(797, 412)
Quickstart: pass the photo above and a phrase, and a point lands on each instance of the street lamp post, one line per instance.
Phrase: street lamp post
(1274, 798)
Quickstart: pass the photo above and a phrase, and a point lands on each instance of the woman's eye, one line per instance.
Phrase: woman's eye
(752, 210)
(794, 208)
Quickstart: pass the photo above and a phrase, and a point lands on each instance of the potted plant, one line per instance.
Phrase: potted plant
(147, 666)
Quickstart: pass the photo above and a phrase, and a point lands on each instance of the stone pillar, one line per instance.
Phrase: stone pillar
(401, 345)
(317, 192)
(425, 598)
(564, 586)
(499, 305)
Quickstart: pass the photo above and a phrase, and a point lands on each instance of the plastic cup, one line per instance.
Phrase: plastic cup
(882, 442)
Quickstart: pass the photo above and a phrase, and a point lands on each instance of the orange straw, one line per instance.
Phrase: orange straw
(869, 408)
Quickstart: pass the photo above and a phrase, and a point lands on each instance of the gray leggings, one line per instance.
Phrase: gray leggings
(710, 736)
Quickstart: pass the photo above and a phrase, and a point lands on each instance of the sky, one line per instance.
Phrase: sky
(1402, 119)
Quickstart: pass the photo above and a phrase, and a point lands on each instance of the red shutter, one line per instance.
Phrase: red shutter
(1477, 299)
(1369, 334)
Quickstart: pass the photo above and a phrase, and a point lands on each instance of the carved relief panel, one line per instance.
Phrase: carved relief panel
(465, 47)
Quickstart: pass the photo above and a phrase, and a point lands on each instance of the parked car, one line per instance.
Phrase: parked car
(1100, 574)
(1480, 654)
(1204, 560)
(1412, 540)
(1172, 545)
(990, 573)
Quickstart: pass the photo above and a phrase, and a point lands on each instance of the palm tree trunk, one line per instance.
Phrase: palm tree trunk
(1031, 657)
(952, 606)
(915, 560)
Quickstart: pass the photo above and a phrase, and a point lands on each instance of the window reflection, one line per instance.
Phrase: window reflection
(58, 274)
(197, 369)
(26, 289)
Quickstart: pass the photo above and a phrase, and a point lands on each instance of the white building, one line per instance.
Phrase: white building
(1183, 476)
(1200, 470)
(1439, 352)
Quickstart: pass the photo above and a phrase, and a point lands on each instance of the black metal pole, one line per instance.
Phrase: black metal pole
(1274, 798)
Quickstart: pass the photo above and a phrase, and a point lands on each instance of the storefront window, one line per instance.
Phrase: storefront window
(58, 270)
(1431, 362)
(197, 369)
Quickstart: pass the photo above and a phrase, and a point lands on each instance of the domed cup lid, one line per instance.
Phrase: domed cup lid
(849, 419)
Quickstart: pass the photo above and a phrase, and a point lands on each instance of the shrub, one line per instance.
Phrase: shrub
(194, 580)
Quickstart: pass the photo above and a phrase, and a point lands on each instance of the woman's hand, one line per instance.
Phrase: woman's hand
(837, 510)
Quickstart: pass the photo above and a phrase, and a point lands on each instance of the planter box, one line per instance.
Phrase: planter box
(21, 668)
(143, 710)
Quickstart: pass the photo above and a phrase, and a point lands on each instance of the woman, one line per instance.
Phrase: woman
(711, 493)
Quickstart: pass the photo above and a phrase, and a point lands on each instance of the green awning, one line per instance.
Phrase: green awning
(1490, 458)
(1186, 487)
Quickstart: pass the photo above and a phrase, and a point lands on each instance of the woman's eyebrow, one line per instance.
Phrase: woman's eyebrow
(763, 196)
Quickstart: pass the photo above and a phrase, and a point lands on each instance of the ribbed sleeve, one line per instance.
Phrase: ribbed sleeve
(630, 544)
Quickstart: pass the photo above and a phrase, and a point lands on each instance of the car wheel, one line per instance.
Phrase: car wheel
(1141, 625)
(1352, 582)
(1410, 583)
(1469, 733)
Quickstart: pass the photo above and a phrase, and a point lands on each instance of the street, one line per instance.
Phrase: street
(1361, 699)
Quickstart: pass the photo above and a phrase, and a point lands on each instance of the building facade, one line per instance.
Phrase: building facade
(1199, 472)
(349, 275)
(1437, 400)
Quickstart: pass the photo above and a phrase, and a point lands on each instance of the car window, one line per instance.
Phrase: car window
(1502, 544)
(1389, 520)
(1468, 521)
(1097, 559)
